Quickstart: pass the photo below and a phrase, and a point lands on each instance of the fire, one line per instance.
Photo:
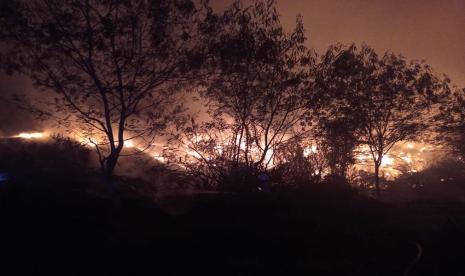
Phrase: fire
(310, 150)
(30, 135)
(406, 157)
(159, 158)
(129, 144)
(387, 161)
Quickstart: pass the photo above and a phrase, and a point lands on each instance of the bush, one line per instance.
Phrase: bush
(239, 179)
(444, 180)
(57, 156)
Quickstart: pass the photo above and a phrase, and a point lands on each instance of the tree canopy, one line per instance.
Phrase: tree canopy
(114, 65)
(388, 98)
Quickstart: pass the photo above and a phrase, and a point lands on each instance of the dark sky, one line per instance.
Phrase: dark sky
(433, 30)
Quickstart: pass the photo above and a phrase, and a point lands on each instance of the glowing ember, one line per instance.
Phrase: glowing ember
(387, 161)
(159, 158)
(129, 144)
(30, 135)
(310, 150)
(193, 154)
(407, 159)
(269, 158)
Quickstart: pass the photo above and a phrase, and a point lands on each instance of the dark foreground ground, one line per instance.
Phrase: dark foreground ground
(44, 232)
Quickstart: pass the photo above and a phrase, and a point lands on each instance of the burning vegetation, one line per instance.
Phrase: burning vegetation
(168, 122)
(227, 96)
(405, 160)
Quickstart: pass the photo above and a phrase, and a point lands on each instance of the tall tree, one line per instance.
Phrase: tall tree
(113, 64)
(257, 88)
(337, 123)
(393, 98)
(450, 122)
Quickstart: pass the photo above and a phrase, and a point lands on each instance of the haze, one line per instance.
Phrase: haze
(431, 29)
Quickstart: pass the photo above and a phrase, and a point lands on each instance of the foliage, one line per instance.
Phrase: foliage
(256, 96)
(388, 97)
(299, 164)
(450, 122)
(441, 181)
(114, 65)
(337, 123)
(58, 158)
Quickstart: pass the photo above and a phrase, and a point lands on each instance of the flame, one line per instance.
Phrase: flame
(310, 150)
(30, 135)
(387, 161)
(407, 159)
(159, 158)
(410, 154)
(129, 144)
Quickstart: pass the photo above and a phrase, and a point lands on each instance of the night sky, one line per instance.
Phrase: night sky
(433, 30)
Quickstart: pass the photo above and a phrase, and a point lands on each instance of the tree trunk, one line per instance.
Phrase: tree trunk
(377, 165)
(108, 174)
(108, 169)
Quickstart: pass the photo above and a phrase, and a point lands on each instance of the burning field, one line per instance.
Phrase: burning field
(404, 158)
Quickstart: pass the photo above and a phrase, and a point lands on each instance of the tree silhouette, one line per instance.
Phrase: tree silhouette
(450, 122)
(255, 97)
(337, 123)
(392, 97)
(300, 162)
(114, 65)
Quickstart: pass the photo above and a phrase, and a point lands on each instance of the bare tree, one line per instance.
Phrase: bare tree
(114, 65)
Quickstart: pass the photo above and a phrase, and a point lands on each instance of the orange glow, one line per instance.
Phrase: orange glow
(129, 144)
(387, 161)
(310, 150)
(406, 157)
(30, 135)
(159, 158)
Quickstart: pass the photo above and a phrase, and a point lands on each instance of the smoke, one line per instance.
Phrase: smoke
(13, 119)
(154, 177)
